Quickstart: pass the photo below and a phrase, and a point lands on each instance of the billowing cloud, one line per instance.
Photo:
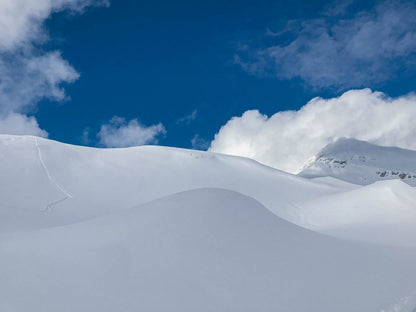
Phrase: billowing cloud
(342, 52)
(26, 80)
(288, 139)
(21, 124)
(29, 73)
(120, 133)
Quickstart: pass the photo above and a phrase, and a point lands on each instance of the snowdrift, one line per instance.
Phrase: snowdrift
(200, 250)
(382, 213)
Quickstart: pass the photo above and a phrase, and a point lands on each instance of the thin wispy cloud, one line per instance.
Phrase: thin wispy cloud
(350, 51)
(119, 132)
(288, 139)
(337, 7)
(188, 118)
(85, 136)
(28, 72)
(199, 143)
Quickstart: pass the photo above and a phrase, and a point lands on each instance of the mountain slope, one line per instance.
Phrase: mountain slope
(362, 163)
(383, 213)
(47, 183)
(200, 250)
(163, 229)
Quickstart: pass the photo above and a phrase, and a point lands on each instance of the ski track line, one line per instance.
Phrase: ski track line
(48, 208)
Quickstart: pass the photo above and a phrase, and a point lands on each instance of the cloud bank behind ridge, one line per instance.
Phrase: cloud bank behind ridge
(288, 139)
(119, 132)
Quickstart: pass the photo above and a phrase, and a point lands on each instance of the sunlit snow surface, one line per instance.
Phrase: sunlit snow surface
(163, 229)
(362, 163)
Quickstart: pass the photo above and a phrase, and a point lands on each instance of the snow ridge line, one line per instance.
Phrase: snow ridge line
(48, 208)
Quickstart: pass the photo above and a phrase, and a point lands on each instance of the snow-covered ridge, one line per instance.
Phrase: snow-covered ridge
(47, 184)
(75, 183)
(162, 229)
(362, 163)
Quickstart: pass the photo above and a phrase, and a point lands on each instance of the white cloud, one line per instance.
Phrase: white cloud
(120, 133)
(20, 125)
(288, 139)
(21, 21)
(28, 73)
(346, 52)
(26, 80)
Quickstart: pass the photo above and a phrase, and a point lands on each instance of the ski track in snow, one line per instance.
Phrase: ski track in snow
(48, 207)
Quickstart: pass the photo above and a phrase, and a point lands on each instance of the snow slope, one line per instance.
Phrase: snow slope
(382, 213)
(48, 184)
(200, 250)
(362, 163)
(162, 229)
(71, 183)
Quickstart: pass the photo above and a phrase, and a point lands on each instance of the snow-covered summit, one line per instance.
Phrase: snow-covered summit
(363, 163)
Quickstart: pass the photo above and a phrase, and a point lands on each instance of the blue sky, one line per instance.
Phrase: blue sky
(188, 67)
(159, 61)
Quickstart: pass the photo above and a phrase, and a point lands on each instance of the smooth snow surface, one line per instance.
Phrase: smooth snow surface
(39, 174)
(383, 213)
(201, 250)
(163, 229)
